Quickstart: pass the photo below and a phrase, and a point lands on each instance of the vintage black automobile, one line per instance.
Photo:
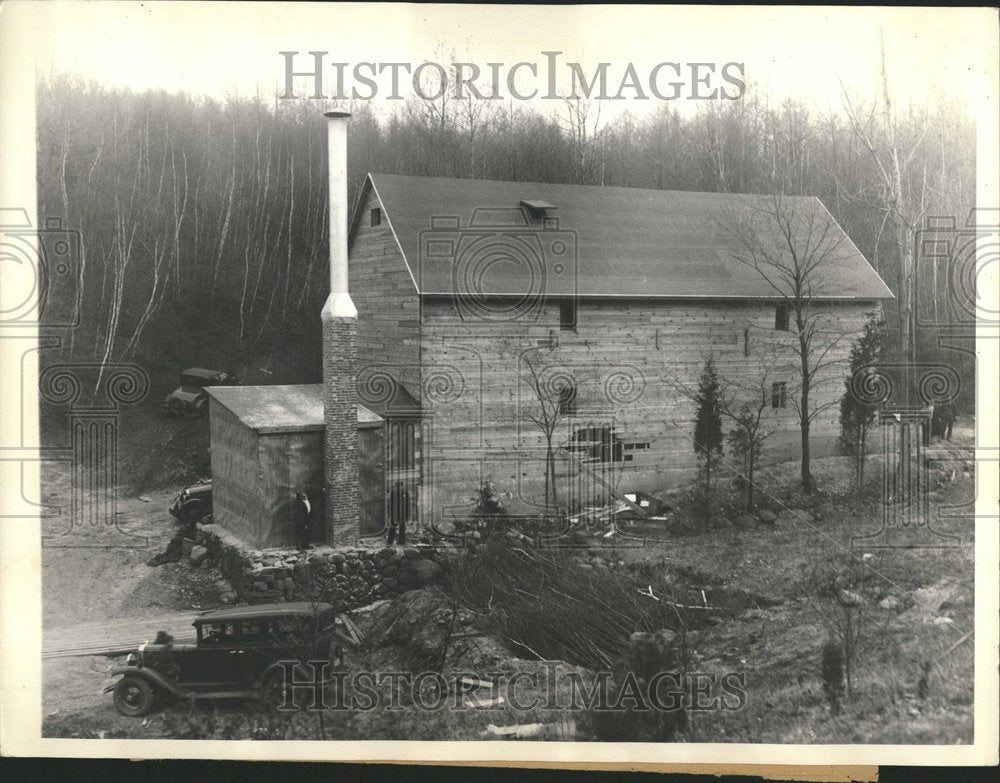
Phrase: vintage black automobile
(190, 398)
(193, 503)
(235, 654)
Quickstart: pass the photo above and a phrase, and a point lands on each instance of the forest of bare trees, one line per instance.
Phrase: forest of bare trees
(198, 214)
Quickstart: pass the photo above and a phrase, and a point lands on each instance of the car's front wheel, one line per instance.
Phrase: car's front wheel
(134, 697)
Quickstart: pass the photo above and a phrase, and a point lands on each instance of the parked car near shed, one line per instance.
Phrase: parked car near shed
(236, 654)
(192, 504)
(190, 398)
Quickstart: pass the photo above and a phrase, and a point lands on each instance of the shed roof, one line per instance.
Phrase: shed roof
(201, 372)
(615, 242)
(297, 408)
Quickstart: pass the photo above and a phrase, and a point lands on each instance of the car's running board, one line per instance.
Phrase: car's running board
(222, 695)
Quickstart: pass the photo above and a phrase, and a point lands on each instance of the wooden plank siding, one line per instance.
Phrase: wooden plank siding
(388, 308)
(236, 479)
(290, 461)
(627, 360)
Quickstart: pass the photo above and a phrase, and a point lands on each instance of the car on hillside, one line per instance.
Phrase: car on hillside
(235, 653)
(192, 504)
(190, 398)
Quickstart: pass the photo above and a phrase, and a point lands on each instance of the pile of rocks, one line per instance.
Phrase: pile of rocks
(345, 577)
(355, 577)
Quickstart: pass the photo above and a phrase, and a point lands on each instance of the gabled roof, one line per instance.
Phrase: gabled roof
(266, 409)
(602, 242)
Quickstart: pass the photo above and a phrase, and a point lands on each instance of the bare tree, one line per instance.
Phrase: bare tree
(550, 391)
(744, 404)
(581, 123)
(795, 247)
(903, 205)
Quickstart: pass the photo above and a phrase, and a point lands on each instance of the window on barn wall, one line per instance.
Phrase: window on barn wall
(600, 444)
(567, 315)
(630, 447)
(779, 394)
(377, 216)
(781, 317)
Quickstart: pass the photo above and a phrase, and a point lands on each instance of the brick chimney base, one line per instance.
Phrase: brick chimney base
(340, 415)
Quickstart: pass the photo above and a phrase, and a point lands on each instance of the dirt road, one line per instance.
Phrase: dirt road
(97, 591)
(113, 637)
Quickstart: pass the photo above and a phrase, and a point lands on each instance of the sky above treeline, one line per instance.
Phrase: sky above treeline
(233, 49)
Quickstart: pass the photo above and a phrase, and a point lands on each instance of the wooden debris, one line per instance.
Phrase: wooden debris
(346, 630)
(522, 731)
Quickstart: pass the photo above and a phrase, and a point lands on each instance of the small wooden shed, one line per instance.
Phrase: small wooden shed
(267, 442)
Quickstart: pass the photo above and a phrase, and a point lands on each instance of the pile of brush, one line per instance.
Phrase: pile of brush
(544, 605)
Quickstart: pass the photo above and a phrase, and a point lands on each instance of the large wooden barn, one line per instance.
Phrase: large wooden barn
(482, 303)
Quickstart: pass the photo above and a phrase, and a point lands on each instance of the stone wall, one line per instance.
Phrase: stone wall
(347, 577)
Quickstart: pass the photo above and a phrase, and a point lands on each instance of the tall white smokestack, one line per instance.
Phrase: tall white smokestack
(340, 342)
(339, 303)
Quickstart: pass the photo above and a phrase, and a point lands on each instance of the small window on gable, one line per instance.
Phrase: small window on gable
(781, 317)
(377, 216)
(567, 315)
(567, 400)
(779, 394)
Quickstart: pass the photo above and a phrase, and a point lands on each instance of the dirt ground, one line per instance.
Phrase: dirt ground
(775, 647)
(91, 576)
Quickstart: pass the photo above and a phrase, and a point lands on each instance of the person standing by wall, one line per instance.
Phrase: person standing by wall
(302, 517)
(399, 514)
(947, 419)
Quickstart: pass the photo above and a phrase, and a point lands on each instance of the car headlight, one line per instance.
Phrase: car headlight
(132, 659)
